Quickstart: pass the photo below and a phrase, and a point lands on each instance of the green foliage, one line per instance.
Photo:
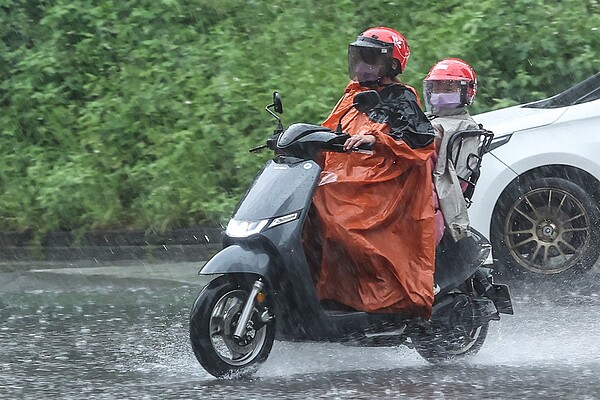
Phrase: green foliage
(140, 113)
(522, 50)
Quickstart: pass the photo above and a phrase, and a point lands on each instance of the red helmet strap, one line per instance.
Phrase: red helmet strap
(395, 68)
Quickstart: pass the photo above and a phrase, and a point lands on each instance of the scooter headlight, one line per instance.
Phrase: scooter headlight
(236, 228)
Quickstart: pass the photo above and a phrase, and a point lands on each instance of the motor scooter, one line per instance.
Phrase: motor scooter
(263, 288)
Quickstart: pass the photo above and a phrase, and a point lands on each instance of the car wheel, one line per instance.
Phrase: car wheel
(545, 226)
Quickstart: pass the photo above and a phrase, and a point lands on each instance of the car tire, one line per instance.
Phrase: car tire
(545, 227)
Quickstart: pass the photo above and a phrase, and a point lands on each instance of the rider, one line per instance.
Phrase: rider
(449, 88)
(374, 212)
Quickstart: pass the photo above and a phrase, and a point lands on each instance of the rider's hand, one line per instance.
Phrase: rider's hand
(357, 140)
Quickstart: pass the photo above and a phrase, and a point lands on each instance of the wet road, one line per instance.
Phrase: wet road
(103, 331)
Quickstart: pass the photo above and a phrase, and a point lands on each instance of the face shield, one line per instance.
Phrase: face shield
(368, 62)
(443, 94)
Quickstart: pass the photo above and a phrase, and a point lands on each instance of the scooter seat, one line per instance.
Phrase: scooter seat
(332, 305)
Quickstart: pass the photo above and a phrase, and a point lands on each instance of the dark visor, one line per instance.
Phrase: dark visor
(368, 63)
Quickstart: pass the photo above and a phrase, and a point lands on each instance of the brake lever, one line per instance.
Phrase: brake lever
(257, 148)
(362, 151)
(366, 148)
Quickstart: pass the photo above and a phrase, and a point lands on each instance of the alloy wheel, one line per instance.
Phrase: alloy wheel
(223, 321)
(547, 230)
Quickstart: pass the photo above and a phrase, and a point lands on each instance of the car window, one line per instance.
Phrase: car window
(594, 95)
(583, 92)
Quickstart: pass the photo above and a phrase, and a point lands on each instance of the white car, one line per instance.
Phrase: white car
(538, 195)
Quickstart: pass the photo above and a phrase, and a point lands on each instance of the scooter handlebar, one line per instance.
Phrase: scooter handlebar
(364, 148)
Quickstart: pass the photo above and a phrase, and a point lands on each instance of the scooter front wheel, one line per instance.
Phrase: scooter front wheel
(213, 320)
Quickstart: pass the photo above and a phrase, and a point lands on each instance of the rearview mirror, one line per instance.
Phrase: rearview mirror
(277, 104)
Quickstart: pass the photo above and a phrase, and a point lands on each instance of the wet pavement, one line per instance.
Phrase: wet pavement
(105, 331)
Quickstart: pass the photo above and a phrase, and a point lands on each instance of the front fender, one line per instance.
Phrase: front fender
(236, 259)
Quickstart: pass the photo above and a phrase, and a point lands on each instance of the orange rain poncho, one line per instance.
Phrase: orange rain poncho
(374, 213)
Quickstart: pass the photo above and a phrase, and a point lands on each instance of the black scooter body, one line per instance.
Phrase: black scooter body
(263, 286)
(283, 191)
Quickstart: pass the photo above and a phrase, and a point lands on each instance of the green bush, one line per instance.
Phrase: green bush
(139, 114)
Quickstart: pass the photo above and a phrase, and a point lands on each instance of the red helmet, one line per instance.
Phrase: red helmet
(371, 55)
(450, 75)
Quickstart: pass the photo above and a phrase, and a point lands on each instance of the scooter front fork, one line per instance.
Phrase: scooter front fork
(242, 324)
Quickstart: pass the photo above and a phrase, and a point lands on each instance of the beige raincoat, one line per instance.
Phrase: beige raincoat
(445, 175)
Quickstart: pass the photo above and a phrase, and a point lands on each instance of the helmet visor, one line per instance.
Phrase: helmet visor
(368, 64)
(441, 94)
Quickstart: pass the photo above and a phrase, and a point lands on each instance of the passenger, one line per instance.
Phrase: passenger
(449, 88)
(375, 212)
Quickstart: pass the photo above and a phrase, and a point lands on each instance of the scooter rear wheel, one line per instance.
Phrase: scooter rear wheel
(212, 322)
(448, 345)
(459, 338)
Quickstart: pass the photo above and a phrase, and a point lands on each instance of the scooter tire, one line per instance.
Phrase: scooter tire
(437, 346)
(200, 333)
